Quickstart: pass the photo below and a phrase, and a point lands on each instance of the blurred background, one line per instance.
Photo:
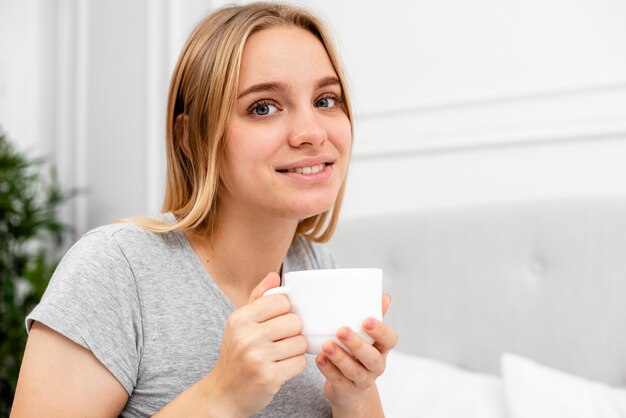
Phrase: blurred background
(456, 102)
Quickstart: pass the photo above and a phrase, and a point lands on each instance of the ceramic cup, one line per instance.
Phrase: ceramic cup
(326, 300)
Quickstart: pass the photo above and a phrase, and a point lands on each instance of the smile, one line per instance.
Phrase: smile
(306, 170)
(309, 174)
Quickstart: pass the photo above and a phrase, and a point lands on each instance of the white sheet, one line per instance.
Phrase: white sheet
(536, 391)
(419, 387)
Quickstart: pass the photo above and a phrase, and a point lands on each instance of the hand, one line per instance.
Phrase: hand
(350, 376)
(262, 348)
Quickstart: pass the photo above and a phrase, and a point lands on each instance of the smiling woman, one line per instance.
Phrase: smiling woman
(165, 315)
(249, 72)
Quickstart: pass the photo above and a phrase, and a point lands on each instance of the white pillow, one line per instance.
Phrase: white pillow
(419, 387)
(536, 391)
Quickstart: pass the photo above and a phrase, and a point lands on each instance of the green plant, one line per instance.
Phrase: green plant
(29, 231)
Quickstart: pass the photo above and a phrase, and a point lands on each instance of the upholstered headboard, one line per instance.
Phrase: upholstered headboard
(543, 279)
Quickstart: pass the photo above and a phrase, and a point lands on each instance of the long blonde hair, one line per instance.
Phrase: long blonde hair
(201, 98)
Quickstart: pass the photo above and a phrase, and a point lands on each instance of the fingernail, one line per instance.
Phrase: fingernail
(344, 333)
(329, 348)
(322, 361)
(369, 324)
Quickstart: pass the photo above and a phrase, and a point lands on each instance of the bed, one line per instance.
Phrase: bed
(513, 309)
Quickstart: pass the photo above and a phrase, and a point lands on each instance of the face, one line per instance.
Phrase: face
(288, 142)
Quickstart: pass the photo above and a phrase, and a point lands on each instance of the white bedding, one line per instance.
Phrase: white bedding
(420, 387)
(534, 390)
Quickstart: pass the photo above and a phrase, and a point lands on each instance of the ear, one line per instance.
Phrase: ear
(181, 133)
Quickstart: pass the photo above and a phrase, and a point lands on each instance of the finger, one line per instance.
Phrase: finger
(333, 374)
(386, 302)
(290, 367)
(362, 351)
(266, 308)
(270, 281)
(282, 326)
(289, 347)
(352, 369)
(385, 338)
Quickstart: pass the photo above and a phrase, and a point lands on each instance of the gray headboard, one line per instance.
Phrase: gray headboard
(544, 279)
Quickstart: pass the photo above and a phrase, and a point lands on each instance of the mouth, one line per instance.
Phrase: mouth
(306, 170)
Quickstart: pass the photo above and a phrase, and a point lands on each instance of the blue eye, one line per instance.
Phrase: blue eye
(263, 109)
(329, 101)
(326, 102)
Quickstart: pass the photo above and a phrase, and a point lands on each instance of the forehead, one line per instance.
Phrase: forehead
(285, 53)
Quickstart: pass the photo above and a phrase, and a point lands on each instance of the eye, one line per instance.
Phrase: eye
(263, 108)
(328, 101)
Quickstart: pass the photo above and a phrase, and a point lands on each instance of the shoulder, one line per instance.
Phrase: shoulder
(305, 254)
(122, 237)
(93, 300)
(114, 254)
(96, 258)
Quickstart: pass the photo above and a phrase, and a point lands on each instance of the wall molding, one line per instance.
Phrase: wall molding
(503, 98)
(158, 29)
(82, 109)
(574, 114)
(71, 110)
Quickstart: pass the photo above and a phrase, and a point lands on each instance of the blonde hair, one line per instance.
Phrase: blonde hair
(201, 98)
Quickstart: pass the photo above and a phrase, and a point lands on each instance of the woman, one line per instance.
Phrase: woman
(165, 316)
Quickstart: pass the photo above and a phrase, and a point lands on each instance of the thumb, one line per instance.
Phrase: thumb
(386, 302)
(270, 281)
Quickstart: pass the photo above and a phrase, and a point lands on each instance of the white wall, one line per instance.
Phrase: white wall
(456, 102)
(26, 39)
(471, 102)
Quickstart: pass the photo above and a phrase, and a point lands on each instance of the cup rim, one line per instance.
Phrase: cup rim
(333, 273)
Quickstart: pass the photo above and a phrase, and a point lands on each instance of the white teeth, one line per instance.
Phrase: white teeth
(308, 170)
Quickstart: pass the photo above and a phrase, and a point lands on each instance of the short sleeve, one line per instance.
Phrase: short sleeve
(92, 299)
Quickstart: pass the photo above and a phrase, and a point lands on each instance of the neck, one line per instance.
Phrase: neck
(243, 250)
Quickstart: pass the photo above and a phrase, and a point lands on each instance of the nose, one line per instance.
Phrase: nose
(307, 130)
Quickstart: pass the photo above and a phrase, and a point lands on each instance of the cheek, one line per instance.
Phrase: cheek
(342, 134)
(254, 140)
(342, 139)
(246, 151)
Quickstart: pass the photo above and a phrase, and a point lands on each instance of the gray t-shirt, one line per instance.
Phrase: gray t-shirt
(146, 307)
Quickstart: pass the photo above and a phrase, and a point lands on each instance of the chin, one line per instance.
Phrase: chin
(299, 205)
(306, 211)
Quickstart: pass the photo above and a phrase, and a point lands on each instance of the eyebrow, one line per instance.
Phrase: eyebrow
(282, 87)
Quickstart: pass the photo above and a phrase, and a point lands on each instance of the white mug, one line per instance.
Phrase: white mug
(326, 300)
